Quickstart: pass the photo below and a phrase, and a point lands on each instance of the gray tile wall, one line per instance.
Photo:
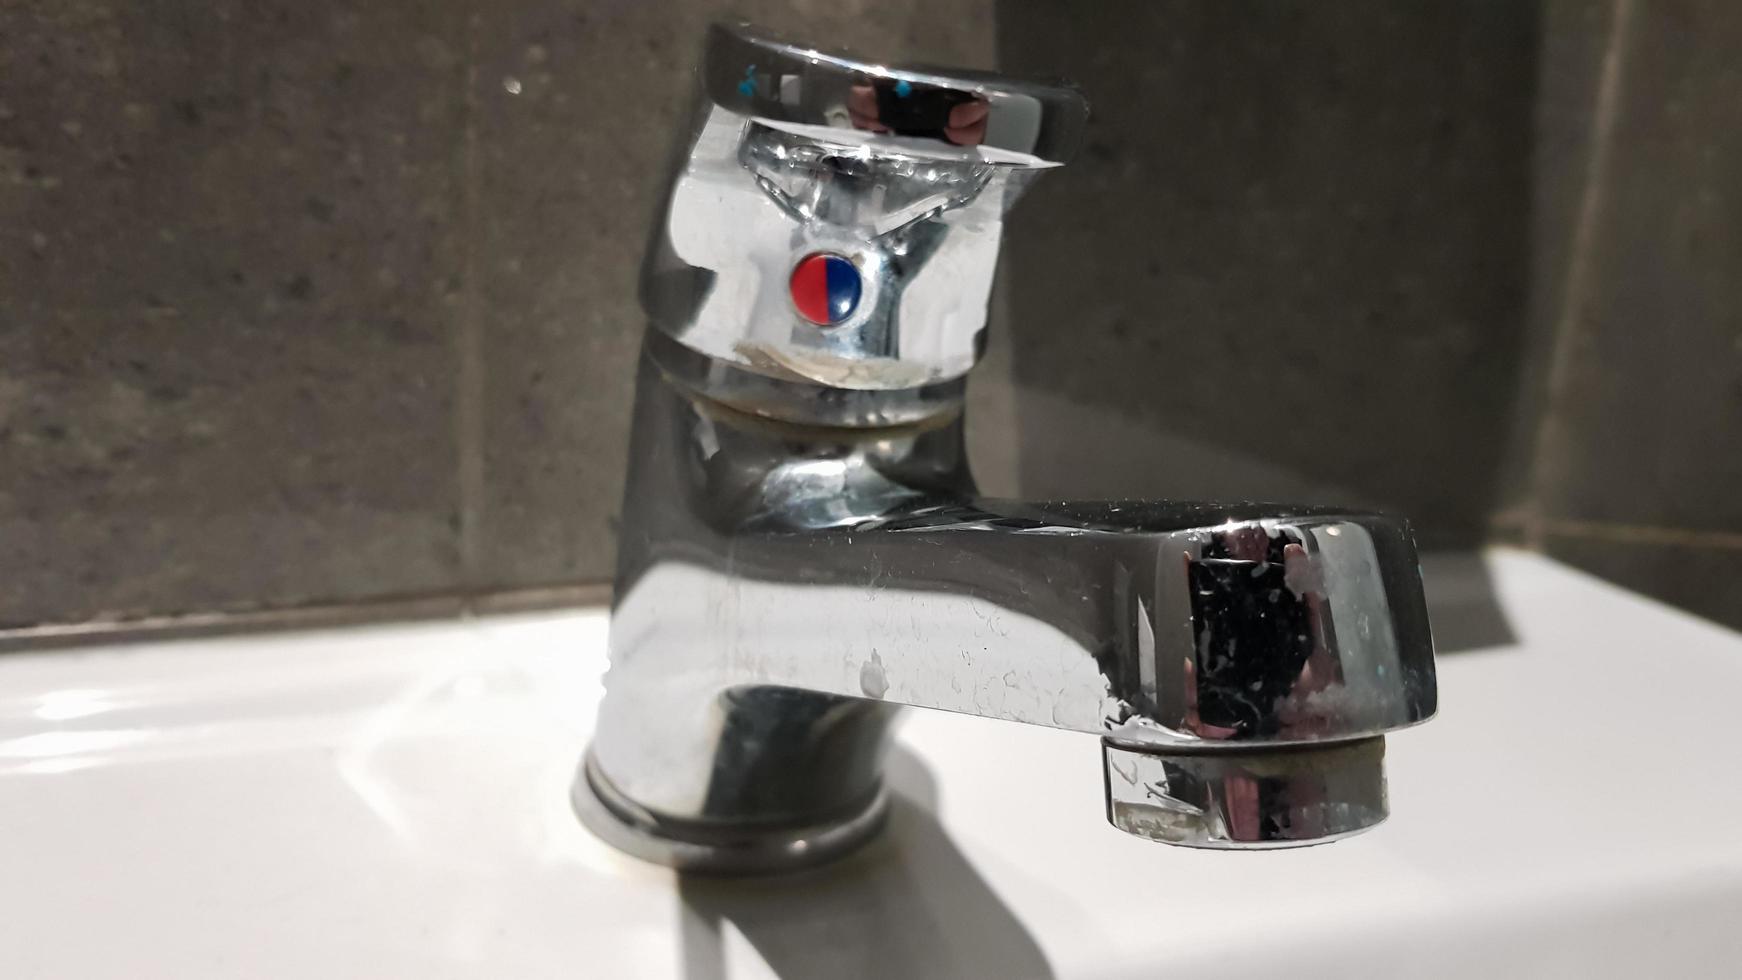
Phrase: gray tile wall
(306, 304)
(230, 273)
(301, 305)
(1292, 262)
(1639, 461)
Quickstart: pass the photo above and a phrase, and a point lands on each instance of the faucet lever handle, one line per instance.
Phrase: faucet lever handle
(836, 221)
(915, 111)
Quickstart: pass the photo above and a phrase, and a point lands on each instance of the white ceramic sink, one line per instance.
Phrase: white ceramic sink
(392, 802)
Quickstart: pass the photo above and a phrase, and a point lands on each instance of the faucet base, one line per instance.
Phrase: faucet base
(714, 848)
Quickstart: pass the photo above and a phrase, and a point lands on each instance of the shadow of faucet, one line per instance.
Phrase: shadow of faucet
(1462, 602)
(909, 904)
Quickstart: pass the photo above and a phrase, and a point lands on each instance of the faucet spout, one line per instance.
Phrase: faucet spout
(783, 588)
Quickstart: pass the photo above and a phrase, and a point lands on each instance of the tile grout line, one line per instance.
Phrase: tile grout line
(423, 607)
(469, 353)
(1591, 197)
(1646, 534)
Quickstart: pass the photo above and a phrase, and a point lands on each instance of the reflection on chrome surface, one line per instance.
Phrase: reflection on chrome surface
(904, 172)
(803, 549)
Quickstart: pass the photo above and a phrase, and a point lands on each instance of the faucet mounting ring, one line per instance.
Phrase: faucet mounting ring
(700, 847)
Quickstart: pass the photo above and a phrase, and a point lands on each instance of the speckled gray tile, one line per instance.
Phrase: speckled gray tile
(226, 266)
(1292, 261)
(1577, 46)
(577, 106)
(1647, 412)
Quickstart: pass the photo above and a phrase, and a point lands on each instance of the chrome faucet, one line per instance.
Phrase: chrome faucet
(803, 550)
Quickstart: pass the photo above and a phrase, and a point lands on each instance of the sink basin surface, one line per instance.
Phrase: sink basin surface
(392, 801)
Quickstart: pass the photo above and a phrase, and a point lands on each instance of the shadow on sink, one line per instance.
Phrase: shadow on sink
(1462, 604)
(908, 905)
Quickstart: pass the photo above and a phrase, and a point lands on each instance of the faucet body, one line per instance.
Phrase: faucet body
(803, 550)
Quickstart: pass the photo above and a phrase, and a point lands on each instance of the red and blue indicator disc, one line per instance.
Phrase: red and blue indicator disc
(825, 288)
